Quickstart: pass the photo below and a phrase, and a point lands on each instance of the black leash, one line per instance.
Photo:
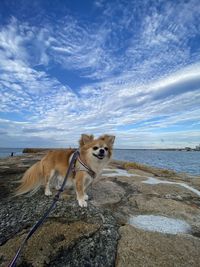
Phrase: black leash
(41, 220)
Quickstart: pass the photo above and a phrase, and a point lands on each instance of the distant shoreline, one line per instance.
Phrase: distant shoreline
(37, 149)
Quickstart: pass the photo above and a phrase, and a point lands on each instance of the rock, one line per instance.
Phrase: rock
(71, 236)
(164, 190)
(74, 236)
(168, 207)
(106, 193)
(48, 241)
(138, 248)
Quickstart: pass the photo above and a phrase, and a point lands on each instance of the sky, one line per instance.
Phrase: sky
(126, 68)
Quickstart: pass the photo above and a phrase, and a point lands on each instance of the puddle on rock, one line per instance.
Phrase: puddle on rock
(117, 172)
(155, 223)
(154, 181)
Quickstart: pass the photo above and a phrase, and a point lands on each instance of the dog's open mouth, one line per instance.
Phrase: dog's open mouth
(98, 156)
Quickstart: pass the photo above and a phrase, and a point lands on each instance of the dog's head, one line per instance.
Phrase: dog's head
(99, 149)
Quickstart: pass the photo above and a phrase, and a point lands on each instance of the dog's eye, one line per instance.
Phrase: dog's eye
(106, 148)
(95, 147)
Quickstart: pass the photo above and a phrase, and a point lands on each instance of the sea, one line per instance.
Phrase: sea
(179, 161)
(6, 152)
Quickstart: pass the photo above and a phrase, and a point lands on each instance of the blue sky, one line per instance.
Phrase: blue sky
(128, 68)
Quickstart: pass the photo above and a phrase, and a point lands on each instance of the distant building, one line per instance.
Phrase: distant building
(197, 148)
(187, 148)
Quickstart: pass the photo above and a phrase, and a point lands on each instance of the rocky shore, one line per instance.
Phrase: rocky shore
(137, 216)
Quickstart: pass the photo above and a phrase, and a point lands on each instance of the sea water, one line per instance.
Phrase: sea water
(6, 152)
(179, 161)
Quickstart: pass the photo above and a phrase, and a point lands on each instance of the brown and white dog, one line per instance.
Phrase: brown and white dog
(51, 170)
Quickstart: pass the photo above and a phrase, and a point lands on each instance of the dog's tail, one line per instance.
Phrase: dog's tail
(32, 180)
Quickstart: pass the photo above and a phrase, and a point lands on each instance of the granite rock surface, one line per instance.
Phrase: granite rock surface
(102, 234)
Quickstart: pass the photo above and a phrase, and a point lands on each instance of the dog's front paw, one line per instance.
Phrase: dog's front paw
(48, 193)
(82, 203)
(57, 187)
(86, 197)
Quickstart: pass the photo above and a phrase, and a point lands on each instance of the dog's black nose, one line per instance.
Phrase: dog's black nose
(101, 151)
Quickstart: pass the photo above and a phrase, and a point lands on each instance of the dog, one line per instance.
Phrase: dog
(50, 171)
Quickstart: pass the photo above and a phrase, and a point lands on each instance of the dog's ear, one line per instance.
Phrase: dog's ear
(109, 139)
(85, 138)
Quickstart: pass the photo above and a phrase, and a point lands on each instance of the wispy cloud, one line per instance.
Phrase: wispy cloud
(141, 66)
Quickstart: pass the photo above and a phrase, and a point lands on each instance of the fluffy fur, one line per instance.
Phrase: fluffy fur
(51, 170)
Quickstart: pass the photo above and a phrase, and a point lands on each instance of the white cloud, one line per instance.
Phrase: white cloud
(141, 85)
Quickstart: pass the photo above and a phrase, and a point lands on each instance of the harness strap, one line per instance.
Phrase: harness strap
(90, 171)
(41, 220)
